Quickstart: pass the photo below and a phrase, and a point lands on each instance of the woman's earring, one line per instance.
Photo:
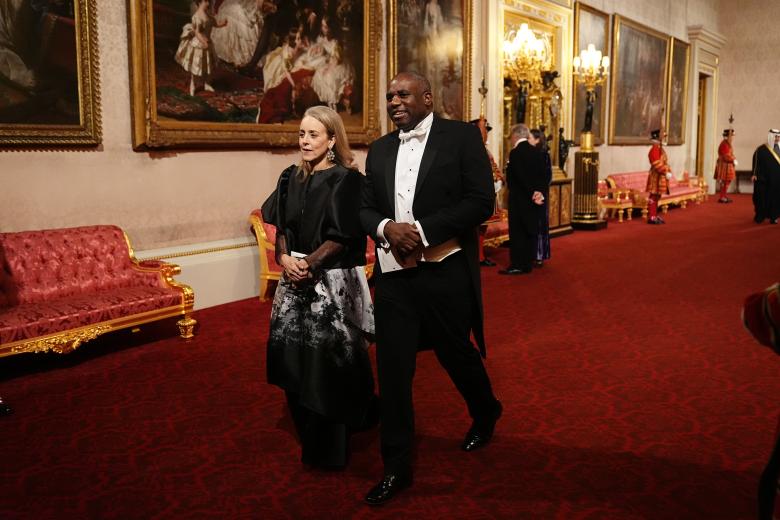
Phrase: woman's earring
(331, 156)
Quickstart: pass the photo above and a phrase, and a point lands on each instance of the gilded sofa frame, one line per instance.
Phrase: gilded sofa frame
(640, 200)
(67, 341)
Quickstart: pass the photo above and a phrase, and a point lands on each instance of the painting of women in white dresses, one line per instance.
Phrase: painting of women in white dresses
(258, 61)
(430, 36)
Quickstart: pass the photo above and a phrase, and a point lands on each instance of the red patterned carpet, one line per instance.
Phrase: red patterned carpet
(630, 390)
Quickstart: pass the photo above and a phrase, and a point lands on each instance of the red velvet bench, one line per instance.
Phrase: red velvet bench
(270, 272)
(635, 185)
(62, 287)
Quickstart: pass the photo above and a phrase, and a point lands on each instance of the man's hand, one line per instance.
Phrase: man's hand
(668, 176)
(537, 198)
(403, 237)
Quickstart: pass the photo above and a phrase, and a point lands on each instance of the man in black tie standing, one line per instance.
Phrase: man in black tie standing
(766, 179)
(426, 191)
(526, 180)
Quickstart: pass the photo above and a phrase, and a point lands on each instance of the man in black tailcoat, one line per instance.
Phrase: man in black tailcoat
(426, 191)
(766, 179)
(525, 178)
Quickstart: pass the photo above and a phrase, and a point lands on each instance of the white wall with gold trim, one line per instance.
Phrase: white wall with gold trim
(750, 72)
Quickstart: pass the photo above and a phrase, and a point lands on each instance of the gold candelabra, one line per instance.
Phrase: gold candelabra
(591, 70)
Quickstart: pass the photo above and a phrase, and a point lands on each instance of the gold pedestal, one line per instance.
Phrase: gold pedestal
(586, 178)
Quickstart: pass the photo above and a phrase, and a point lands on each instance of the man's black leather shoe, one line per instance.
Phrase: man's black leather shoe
(480, 433)
(4, 408)
(389, 486)
(514, 271)
(773, 221)
(487, 262)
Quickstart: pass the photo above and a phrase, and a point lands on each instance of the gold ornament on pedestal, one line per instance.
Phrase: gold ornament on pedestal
(591, 70)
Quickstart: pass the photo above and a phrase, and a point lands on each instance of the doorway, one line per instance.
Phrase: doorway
(701, 105)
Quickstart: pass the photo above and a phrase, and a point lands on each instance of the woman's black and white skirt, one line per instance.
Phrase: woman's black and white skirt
(318, 343)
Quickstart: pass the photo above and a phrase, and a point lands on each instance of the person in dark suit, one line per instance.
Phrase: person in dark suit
(766, 179)
(525, 177)
(427, 189)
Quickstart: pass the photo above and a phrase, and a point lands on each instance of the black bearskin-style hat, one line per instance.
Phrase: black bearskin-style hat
(727, 132)
(655, 135)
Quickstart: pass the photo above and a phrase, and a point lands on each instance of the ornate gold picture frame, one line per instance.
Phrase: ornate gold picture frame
(590, 26)
(49, 92)
(638, 87)
(436, 42)
(250, 92)
(677, 111)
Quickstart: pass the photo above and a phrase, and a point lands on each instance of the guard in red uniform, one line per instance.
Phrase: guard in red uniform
(658, 178)
(724, 168)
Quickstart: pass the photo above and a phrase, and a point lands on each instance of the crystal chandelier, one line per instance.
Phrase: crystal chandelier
(524, 54)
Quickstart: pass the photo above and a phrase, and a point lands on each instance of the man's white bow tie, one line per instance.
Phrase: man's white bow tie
(417, 132)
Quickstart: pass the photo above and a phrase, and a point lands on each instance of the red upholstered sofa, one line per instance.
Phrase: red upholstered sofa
(61, 287)
(266, 243)
(635, 184)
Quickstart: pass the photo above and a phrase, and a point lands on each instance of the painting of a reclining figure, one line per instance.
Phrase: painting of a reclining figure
(258, 62)
(41, 64)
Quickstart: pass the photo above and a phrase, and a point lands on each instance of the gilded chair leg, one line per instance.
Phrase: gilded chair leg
(263, 289)
(629, 211)
(644, 213)
(683, 204)
(186, 327)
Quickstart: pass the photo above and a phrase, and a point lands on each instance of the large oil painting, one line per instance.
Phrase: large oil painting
(48, 73)
(433, 37)
(678, 92)
(638, 89)
(590, 26)
(243, 72)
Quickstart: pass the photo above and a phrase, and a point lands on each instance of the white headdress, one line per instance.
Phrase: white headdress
(770, 138)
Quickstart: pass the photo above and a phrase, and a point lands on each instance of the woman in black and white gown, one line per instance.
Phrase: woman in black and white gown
(322, 315)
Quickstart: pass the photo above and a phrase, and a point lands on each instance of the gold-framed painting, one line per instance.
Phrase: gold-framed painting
(434, 38)
(677, 111)
(638, 87)
(49, 92)
(240, 73)
(590, 26)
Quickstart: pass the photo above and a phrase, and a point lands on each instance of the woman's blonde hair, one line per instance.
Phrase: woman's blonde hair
(333, 124)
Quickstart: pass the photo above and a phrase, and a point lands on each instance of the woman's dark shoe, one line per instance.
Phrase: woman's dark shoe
(5, 409)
